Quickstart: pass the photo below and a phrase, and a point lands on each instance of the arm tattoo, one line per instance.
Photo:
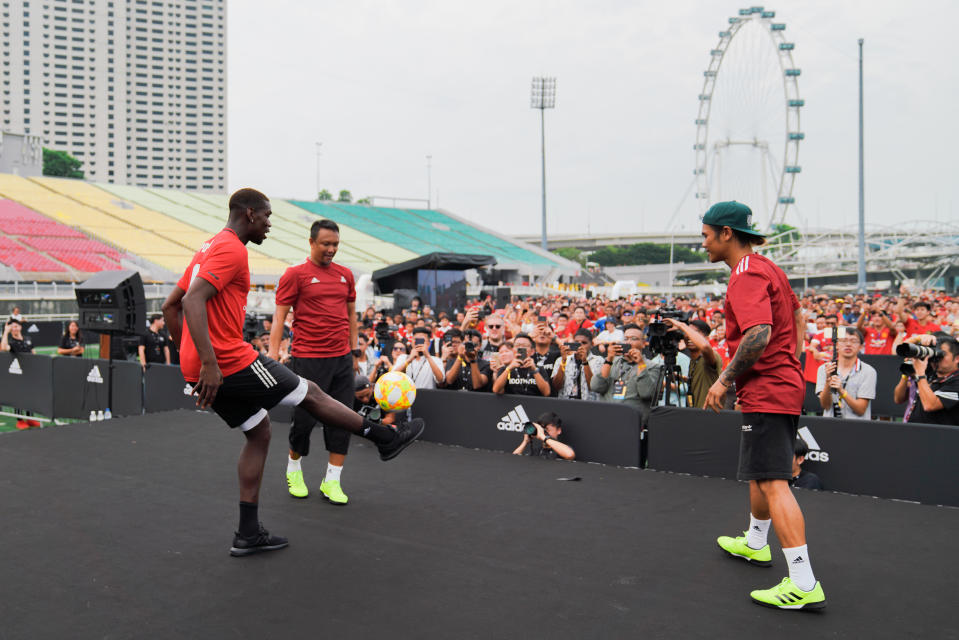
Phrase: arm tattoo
(750, 349)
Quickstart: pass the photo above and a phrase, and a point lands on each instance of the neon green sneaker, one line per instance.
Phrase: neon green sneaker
(332, 491)
(294, 480)
(737, 548)
(786, 595)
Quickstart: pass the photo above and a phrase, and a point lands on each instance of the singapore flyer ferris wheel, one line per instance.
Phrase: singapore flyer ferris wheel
(747, 126)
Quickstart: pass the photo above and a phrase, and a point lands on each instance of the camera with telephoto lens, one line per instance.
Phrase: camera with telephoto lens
(661, 340)
(470, 347)
(909, 350)
(382, 331)
(529, 429)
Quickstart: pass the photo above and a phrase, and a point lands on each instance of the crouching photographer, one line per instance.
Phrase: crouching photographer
(541, 439)
(931, 386)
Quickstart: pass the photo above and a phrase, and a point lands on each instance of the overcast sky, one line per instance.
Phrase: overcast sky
(384, 84)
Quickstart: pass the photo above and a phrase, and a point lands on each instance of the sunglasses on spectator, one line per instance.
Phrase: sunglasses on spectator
(495, 326)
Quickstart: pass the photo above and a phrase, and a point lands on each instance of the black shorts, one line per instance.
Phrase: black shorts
(334, 376)
(766, 446)
(246, 395)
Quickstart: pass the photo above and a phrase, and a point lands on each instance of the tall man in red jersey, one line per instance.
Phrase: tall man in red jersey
(234, 380)
(322, 295)
(764, 330)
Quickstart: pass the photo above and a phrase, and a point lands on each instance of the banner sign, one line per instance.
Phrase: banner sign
(869, 457)
(166, 390)
(597, 431)
(26, 382)
(80, 386)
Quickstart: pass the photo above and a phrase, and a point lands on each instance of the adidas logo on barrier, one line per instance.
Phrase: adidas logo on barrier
(816, 454)
(514, 420)
(94, 375)
(15, 368)
(33, 329)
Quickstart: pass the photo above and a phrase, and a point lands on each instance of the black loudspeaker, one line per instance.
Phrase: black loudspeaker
(112, 302)
(503, 297)
(403, 298)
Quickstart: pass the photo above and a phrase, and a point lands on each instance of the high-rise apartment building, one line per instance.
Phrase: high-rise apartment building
(135, 89)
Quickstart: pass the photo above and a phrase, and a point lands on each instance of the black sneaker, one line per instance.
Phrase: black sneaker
(406, 433)
(260, 541)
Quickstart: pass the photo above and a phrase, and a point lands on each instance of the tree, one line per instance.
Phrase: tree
(644, 253)
(364, 201)
(61, 164)
(571, 253)
(345, 196)
(324, 196)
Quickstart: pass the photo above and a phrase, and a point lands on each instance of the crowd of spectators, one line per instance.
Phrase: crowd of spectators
(598, 349)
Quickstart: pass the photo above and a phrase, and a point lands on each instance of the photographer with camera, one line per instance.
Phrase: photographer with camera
(625, 376)
(541, 439)
(574, 369)
(846, 380)
(705, 364)
(521, 376)
(936, 399)
(466, 369)
(425, 370)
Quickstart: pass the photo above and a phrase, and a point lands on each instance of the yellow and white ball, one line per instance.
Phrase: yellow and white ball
(394, 391)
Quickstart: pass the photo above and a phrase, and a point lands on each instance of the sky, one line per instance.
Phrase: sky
(382, 85)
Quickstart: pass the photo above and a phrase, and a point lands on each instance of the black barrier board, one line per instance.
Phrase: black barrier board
(26, 382)
(44, 333)
(887, 377)
(81, 387)
(597, 431)
(870, 457)
(166, 390)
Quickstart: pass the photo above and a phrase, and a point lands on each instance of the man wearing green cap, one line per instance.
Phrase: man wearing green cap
(764, 330)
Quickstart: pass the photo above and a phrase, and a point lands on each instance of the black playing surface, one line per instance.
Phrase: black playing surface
(121, 529)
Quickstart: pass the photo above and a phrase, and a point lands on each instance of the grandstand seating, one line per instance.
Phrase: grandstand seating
(29, 235)
(194, 226)
(424, 231)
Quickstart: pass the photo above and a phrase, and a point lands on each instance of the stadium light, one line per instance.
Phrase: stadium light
(543, 97)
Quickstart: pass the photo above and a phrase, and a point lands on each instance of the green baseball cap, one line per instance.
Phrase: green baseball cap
(732, 214)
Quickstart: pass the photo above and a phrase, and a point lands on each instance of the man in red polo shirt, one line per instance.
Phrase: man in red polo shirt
(764, 329)
(322, 295)
(239, 384)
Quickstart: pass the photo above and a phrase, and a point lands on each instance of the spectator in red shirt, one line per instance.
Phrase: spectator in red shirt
(880, 333)
(920, 321)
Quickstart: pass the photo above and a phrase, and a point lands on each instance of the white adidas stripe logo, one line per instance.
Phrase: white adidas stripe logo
(343, 279)
(94, 375)
(743, 265)
(315, 280)
(514, 420)
(15, 368)
(265, 376)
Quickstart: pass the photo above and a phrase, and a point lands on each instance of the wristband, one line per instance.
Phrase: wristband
(920, 378)
(843, 395)
(720, 381)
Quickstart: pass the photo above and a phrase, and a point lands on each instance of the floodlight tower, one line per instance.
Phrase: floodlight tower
(543, 97)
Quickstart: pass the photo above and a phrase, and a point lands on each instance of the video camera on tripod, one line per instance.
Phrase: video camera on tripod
(664, 340)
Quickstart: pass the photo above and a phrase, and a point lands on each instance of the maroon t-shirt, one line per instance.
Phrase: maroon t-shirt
(318, 295)
(759, 293)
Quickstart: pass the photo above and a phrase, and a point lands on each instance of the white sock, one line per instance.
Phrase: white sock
(800, 569)
(757, 532)
(333, 473)
(292, 465)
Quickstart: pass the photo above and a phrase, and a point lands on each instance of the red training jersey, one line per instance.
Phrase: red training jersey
(221, 261)
(913, 328)
(879, 341)
(318, 295)
(759, 293)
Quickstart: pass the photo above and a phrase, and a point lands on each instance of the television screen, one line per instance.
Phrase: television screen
(442, 289)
